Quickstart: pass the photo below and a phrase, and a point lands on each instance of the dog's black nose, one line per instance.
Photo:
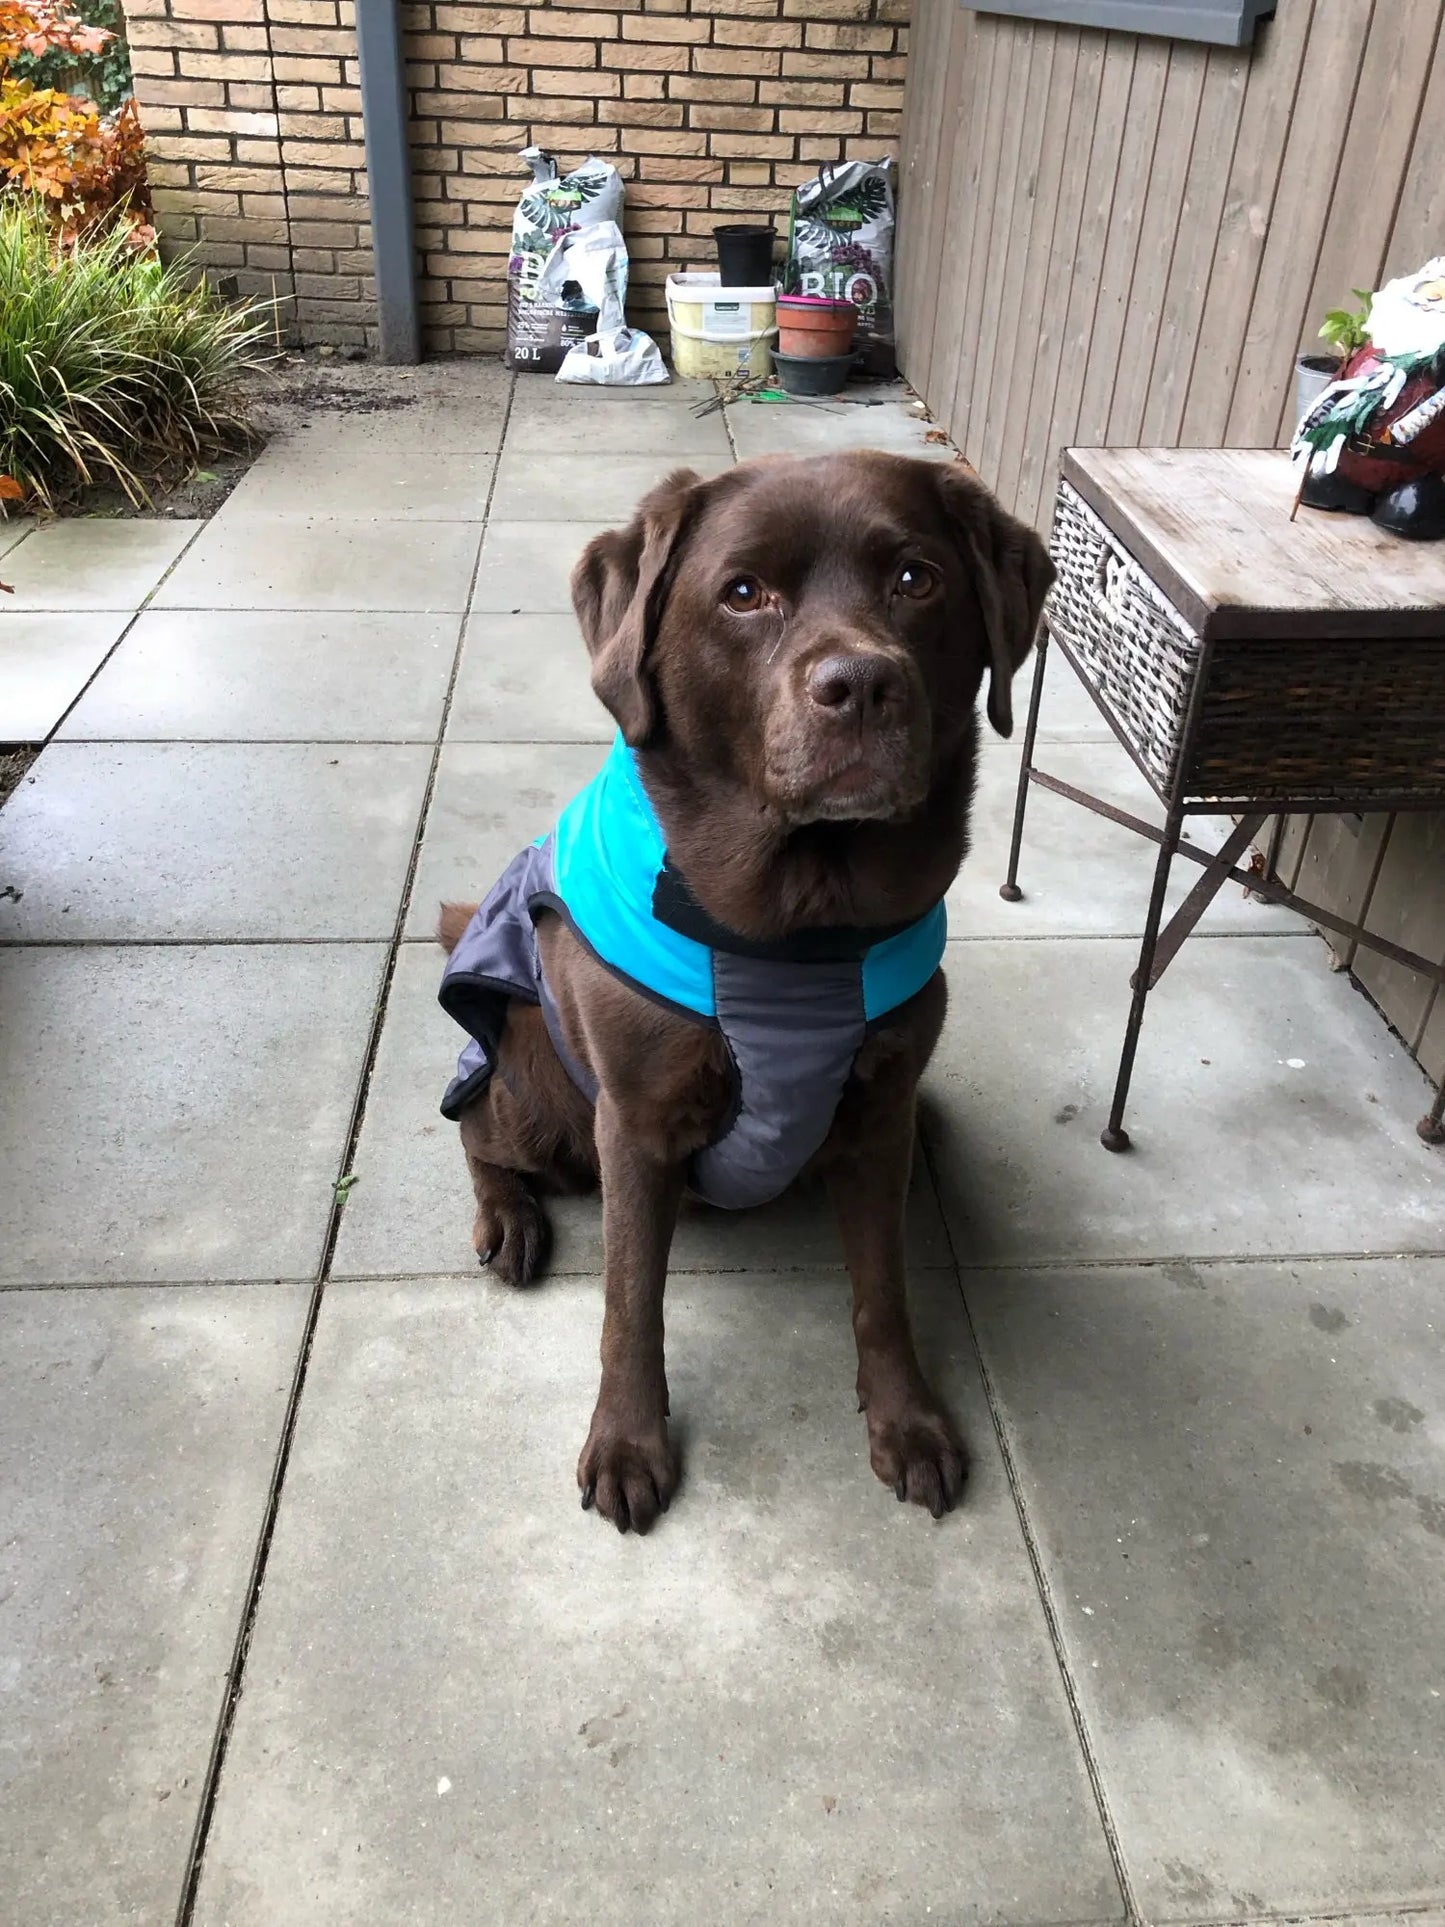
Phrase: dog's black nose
(856, 686)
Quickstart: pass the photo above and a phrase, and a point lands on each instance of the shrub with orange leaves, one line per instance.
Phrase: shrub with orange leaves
(84, 164)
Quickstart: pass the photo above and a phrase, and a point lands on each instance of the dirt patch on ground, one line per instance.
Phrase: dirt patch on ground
(280, 398)
(13, 765)
(195, 496)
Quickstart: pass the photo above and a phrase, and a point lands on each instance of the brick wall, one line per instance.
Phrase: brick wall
(712, 110)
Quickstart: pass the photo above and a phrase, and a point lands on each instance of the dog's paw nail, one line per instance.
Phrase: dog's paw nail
(484, 1258)
(900, 1489)
(589, 1496)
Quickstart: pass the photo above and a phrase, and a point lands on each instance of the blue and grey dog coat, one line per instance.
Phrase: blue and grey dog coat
(793, 1014)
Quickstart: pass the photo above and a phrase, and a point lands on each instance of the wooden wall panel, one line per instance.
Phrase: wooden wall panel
(1419, 228)
(1043, 346)
(1110, 238)
(1228, 294)
(1116, 238)
(1211, 159)
(1010, 399)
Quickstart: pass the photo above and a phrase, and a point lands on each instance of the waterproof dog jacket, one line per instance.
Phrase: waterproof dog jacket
(793, 1013)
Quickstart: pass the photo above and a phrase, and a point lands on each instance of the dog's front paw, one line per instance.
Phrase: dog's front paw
(915, 1449)
(629, 1471)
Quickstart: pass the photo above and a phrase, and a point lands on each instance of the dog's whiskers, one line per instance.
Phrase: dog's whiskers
(772, 654)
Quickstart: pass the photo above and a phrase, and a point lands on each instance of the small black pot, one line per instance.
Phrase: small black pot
(745, 256)
(813, 374)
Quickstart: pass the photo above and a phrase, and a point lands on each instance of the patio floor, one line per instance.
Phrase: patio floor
(1178, 1658)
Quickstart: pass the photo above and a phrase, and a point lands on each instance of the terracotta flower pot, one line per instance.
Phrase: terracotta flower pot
(815, 327)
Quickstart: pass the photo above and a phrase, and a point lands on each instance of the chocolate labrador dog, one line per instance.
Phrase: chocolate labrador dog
(722, 965)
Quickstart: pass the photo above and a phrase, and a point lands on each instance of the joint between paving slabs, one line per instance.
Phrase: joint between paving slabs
(235, 1678)
(1092, 1768)
(130, 622)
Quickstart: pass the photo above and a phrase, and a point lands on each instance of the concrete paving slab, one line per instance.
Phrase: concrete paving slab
(392, 477)
(1082, 875)
(794, 1701)
(809, 428)
(13, 530)
(90, 562)
(525, 565)
(1272, 1111)
(243, 675)
(138, 1430)
(1238, 1477)
(525, 679)
(452, 402)
(489, 801)
(547, 420)
(1068, 714)
(281, 562)
(535, 487)
(411, 1211)
(215, 841)
(452, 424)
(176, 1113)
(45, 662)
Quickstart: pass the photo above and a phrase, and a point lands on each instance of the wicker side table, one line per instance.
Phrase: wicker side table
(1251, 666)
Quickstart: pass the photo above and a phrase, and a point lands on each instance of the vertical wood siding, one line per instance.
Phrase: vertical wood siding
(1107, 238)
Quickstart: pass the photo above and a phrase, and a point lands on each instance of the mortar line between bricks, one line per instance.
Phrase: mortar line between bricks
(235, 1677)
(1092, 1767)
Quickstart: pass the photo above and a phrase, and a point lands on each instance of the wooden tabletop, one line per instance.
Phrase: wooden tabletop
(1212, 527)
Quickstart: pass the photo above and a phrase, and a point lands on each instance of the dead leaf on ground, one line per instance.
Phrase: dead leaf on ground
(11, 490)
(935, 435)
(8, 587)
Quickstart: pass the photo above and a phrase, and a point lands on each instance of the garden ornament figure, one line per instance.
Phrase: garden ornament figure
(1374, 442)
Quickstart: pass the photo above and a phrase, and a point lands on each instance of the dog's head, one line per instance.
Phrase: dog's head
(814, 630)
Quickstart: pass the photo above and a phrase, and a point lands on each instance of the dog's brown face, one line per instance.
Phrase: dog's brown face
(813, 631)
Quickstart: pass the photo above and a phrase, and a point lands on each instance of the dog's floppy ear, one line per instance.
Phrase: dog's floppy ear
(618, 589)
(1011, 575)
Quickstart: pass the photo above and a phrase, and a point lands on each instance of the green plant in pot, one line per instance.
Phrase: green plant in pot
(1345, 331)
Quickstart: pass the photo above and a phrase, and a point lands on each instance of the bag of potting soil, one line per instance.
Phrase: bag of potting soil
(553, 220)
(840, 244)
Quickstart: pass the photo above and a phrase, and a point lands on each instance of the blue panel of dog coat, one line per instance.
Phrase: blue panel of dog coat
(793, 1014)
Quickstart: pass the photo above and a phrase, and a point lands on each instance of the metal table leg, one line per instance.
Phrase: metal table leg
(1114, 1137)
(1009, 889)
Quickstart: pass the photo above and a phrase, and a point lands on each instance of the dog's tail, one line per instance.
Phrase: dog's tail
(452, 922)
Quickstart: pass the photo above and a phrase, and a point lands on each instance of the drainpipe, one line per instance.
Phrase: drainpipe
(385, 114)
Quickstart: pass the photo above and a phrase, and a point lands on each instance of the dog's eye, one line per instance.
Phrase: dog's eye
(743, 595)
(916, 580)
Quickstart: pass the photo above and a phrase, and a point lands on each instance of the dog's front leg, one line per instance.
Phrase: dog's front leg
(912, 1444)
(628, 1469)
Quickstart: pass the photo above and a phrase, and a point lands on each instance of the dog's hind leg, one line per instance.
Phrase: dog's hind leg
(511, 1233)
(529, 1133)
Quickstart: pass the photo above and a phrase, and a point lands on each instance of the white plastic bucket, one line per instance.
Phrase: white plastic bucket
(718, 331)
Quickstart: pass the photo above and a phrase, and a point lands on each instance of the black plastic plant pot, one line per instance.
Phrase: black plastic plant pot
(745, 256)
(813, 374)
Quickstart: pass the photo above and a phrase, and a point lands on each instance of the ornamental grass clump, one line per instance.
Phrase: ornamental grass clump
(115, 367)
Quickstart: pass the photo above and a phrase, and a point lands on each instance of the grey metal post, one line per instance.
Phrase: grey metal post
(384, 107)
